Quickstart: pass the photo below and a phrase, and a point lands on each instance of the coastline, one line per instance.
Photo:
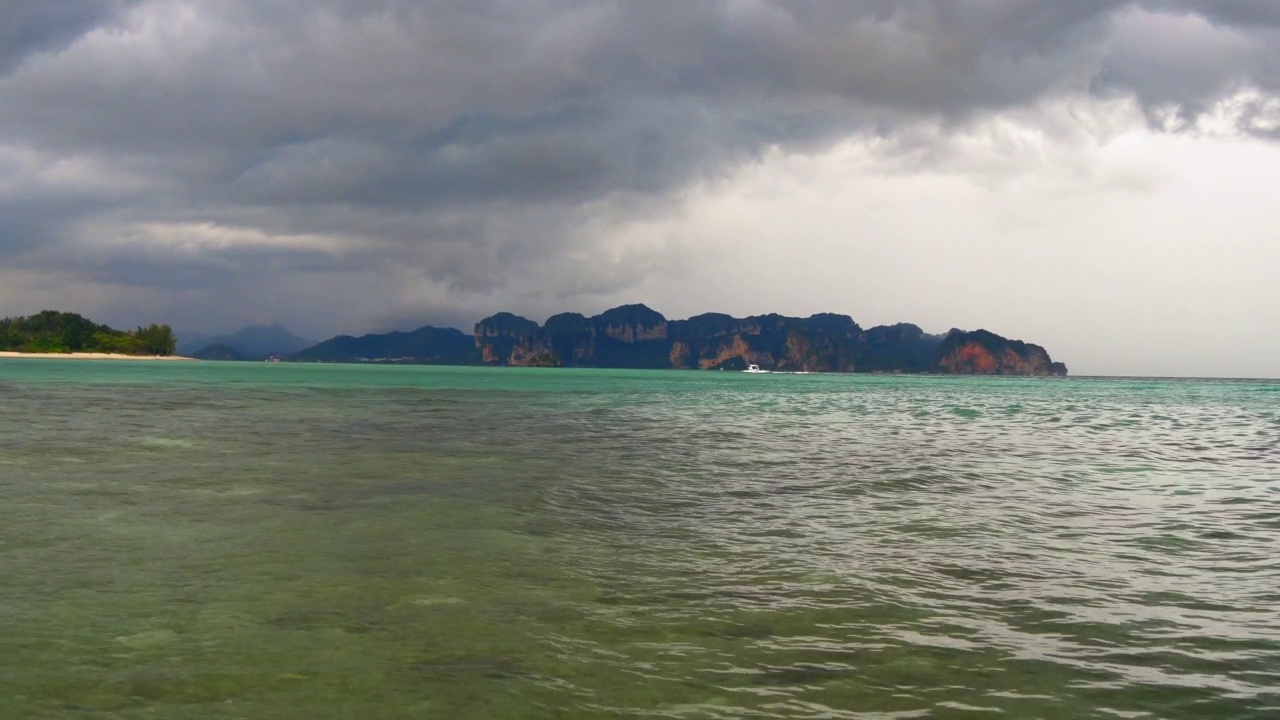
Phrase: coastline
(91, 356)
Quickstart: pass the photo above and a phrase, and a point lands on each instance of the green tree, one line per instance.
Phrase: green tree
(52, 331)
(156, 339)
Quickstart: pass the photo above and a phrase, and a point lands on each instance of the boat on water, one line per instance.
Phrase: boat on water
(754, 369)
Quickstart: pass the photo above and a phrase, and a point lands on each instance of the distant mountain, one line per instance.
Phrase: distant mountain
(219, 352)
(635, 336)
(252, 343)
(426, 346)
(189, 341)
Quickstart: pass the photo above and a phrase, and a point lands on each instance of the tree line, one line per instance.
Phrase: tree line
(58, 332)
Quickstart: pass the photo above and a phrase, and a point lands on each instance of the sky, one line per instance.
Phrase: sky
(1098, 177)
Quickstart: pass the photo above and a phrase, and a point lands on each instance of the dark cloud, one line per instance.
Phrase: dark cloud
(1180, 65)
(29, 27)
(1241, 13)
(472, 140)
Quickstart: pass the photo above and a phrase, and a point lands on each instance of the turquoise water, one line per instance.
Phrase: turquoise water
(210, 540)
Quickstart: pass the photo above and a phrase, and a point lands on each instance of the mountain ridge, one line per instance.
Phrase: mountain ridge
(254, 342)
(636, 336)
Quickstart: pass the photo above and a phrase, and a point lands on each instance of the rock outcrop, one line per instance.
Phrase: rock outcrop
(985, 353)
(636, 336)
(627, 336)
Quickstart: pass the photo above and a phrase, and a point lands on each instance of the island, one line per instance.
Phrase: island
(636, 336)
(62, 334)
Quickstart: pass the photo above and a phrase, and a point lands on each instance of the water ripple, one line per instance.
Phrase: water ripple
(1129, 545)
(480, 543)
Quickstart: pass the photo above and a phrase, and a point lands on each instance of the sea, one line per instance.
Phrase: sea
(257, 541)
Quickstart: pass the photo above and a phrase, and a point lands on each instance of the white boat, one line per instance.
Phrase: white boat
(754, 369)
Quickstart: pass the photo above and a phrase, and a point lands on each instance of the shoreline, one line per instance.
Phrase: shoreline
(92, 356)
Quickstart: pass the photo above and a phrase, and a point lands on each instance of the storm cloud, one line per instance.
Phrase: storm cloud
(346, 165)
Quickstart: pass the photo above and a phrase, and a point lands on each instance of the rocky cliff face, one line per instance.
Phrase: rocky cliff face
(715, 341)
(508, 339)
(634, 336)
(985, 353)
(631, 324)
(627, 336)
(638, 337)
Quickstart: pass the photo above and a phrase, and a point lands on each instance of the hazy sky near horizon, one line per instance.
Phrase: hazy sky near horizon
(1098, 176)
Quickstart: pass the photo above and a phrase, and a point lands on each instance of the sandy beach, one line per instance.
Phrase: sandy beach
(89, 356)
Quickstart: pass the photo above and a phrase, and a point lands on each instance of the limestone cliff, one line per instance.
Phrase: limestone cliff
(636, 336)
(818, 343)
(985, 353)
(631, 324)
(627, 336)
(507, 339)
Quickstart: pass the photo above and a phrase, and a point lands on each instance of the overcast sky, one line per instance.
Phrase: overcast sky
(1096, 176)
